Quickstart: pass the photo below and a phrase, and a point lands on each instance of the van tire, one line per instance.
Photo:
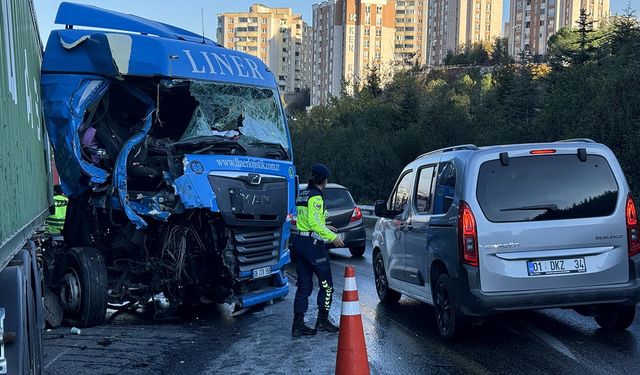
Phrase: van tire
(385, 294)
(451, 323)
(615, 317)
(84, 291)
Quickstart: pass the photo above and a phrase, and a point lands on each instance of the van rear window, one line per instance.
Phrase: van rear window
(549, 187)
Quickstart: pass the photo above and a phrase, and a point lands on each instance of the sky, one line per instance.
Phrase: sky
(187, 13)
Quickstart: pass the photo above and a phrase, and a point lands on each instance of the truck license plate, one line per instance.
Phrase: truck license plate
(556, 266)
(259, 273)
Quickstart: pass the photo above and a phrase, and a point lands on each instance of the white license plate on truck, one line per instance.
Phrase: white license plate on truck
(259, 273)
(556, 266)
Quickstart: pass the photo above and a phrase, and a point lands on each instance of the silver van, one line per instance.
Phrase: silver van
(476, 231)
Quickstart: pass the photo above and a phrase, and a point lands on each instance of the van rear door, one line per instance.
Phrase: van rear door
(551, 220)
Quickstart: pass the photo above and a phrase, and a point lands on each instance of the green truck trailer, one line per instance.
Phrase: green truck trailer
(25, 189)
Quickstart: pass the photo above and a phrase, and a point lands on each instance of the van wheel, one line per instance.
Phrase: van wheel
(84, 286)
(451, 322)
(615, 317)
(385, 294)
(357, 251)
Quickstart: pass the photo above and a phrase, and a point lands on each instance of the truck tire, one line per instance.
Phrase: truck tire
(84, 286)
(452, 324)
(615, 317)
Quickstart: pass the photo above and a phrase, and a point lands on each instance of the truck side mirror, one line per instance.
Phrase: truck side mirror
(380, 209)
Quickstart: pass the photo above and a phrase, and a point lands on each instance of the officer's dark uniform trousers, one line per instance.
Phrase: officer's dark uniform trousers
(312, 257)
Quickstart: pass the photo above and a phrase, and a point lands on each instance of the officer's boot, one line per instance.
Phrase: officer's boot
(323, 323)
(299, 328)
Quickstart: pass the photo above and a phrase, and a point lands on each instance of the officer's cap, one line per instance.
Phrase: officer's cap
(321, 170)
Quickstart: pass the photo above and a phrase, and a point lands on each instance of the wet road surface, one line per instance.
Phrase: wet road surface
(401, 339)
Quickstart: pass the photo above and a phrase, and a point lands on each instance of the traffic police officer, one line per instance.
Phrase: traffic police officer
(312, 256)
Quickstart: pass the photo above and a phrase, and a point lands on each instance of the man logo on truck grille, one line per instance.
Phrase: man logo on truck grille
(251, 199)
(255, 179)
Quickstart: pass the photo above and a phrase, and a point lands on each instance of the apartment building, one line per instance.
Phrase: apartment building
(277, 36)
(534, 21)
(453, 24)
(411, 32)
(597, 10)
(350, 37)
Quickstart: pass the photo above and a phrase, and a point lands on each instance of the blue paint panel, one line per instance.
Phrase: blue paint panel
(260, 297)
(152, 56)
(195, 189)
(64, 104)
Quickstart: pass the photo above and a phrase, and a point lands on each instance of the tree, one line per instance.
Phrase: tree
(585, 27)
(625, 36)
(500, 54)
(373, 81)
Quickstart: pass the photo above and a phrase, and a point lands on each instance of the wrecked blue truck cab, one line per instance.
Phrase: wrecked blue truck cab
(177, 161)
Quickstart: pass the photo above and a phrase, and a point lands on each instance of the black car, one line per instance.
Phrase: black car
(344, 215)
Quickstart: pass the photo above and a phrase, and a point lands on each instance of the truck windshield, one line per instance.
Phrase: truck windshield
(248, 115)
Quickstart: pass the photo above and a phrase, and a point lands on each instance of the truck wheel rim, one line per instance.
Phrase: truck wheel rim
(70, 293)
(381, 278)
(443, 308)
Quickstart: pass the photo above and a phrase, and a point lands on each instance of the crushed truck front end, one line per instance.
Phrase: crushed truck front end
(176, 153)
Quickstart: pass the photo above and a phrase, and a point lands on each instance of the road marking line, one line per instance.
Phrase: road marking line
(550, 340)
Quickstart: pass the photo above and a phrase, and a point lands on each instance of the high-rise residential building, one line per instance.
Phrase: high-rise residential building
(534, 21)
(411, 32)
(277, 36)
(597, 10)
(349, 38)
(456, 23)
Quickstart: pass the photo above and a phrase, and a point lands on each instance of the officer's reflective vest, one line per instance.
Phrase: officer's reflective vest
(311, 213)
(55, 222)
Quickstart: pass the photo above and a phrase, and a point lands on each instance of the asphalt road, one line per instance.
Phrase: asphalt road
(401, 339)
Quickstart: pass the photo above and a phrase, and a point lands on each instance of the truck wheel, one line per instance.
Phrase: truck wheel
(84, 286)
(357, 251)
(615, 317)
(451, 322)
(385, 294)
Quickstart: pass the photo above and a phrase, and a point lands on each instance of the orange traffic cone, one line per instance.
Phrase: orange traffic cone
(352, 350)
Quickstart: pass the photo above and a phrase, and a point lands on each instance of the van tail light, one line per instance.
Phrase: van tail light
(356, 215)
(633, 230)
(468, 234)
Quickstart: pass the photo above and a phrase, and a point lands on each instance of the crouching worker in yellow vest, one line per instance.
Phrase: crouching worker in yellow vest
(312, 256)
(55, 222)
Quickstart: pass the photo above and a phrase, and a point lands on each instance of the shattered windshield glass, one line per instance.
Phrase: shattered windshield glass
(249, 115)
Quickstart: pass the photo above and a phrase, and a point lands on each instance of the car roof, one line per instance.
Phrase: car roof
(329, 186)
(567, 143)
(468, 151)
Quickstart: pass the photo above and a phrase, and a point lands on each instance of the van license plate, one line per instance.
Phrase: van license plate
(556, 266)
(259, 273)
